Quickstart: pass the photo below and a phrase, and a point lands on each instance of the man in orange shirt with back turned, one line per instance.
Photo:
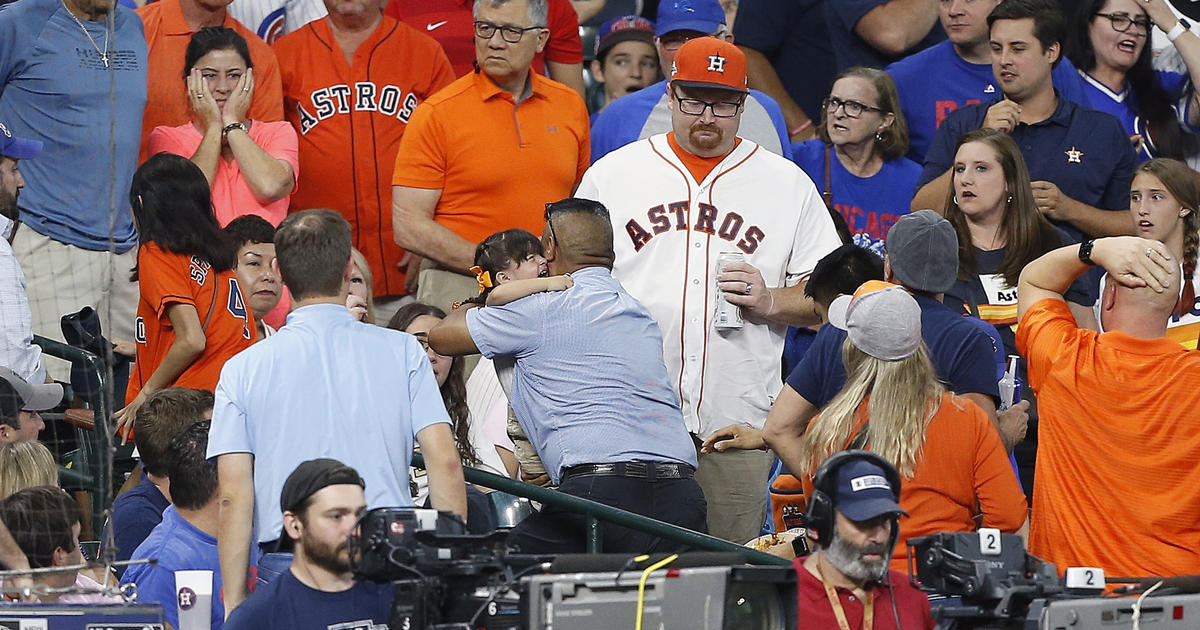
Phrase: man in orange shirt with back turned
(1119, 447)
(486, 153)
(169, 27)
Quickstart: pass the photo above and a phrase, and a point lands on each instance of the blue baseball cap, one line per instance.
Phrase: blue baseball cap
(17, 148)
(863, 492)
(702, 16)
(623, 29)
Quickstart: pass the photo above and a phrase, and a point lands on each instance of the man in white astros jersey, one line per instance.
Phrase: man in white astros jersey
(680, 200)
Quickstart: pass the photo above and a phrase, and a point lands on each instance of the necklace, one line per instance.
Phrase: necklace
(103, 53)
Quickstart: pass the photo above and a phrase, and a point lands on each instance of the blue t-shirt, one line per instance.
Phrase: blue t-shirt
(54, 87)
(287, 604)
(1124, 105)
(178, 546)
(962, 356)
(135, 514)
(936, 81)
(1084, 152)
(794, 37)
(590, 385)
(851, 50)
(645, 113)
(870, 205)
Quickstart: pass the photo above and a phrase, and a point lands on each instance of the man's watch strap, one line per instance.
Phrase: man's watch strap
(1085, 250)
(232, 126)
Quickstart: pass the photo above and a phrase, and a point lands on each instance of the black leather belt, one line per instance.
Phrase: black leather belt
(636, 470)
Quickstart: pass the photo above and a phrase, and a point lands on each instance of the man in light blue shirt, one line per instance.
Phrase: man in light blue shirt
(73, 75)
(324, 386)
(590, 390)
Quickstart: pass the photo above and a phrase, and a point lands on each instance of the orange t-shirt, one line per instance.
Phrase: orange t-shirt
(497, 163)
(165, 279)
(351, 117)
(1118, 447)
(963, 470)
(698, 166)
(167, 38)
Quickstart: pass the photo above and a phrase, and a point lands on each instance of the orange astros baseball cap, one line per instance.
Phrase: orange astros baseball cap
(711, 63)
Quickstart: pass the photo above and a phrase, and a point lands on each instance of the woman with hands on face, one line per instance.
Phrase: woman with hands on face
(251, 166)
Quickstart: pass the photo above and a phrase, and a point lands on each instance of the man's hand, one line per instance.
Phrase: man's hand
(1135, 262)
(537, 480)
(743, 285)
(411, 264)
(1014, 422)
(739, 436)
(1003, 116)
(1051, 201)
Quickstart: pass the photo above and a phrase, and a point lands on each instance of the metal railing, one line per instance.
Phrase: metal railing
(95, 461)
(596, 513)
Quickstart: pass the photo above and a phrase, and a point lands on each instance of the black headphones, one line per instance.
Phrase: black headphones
(822, 505)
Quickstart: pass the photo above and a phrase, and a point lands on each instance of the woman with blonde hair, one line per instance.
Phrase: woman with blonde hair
(26, 464)
(945, 447)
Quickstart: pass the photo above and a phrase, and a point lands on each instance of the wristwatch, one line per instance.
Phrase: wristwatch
(232, 126)
(1181, 27)
(1085, 251)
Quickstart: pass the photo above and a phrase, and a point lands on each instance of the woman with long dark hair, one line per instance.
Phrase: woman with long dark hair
(192, 315)
(1110, 45)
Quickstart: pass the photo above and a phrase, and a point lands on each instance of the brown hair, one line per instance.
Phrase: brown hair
(893, 139)
(40, 520)
(164, 415)
(1181, 183)
(312, 248)
(1027, 234)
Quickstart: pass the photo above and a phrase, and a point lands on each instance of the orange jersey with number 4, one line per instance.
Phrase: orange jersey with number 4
(167, 279)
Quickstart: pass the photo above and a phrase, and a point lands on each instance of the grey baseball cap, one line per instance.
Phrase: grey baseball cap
(20, 395)
(881, 319)
(922, 248)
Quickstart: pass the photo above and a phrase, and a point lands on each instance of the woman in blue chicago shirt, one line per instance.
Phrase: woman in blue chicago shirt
(857, 160)
(1110, 45)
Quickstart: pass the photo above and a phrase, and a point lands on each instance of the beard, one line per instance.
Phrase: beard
(706, 143)
(8, 204)
(847, 558)
(332, 558)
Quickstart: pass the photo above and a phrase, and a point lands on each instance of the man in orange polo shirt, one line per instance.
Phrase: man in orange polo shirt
(1119, 443)
(486, 153)
(169, 26)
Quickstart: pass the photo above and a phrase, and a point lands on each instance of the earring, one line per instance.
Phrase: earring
(1010, 199)
(955, 199)
(878, 136)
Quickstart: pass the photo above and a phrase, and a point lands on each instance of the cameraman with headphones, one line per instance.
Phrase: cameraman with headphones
(846, 583)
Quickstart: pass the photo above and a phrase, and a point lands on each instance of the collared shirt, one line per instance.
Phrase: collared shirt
(497, 162)
(54, 87)
(17, 351)
(1082, 151)
(668, 232)
(816, 612)
(326, 385)
(590, 386)
(167, 36)
(646, 113)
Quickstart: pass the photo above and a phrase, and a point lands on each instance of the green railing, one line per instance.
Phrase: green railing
(598, 512)
(93, 466)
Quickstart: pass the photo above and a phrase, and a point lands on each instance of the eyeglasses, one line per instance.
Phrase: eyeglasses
(853, 109)
(549, 223)
(696, 107)
(1121, 22)
(510, 34)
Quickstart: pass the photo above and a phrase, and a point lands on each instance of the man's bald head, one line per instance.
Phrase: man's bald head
(1142, 311)
(578, 234)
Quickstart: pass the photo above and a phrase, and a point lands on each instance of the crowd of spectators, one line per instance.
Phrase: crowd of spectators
(700, 259)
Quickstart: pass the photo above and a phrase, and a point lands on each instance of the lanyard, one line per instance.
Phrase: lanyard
(868, 622)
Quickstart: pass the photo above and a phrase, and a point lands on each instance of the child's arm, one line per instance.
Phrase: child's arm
(517, 289)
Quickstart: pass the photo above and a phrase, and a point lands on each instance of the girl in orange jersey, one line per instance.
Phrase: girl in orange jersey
(192, 315)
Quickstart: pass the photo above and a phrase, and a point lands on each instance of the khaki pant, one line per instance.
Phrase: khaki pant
(62, 278)
(735, 486)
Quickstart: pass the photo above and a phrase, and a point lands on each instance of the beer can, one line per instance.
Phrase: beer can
(728, 316)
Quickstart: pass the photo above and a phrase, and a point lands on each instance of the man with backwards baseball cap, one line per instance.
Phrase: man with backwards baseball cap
(20, 403)
(321, 502)
(16, 320)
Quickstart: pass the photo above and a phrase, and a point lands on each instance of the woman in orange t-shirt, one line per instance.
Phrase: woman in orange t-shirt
(250, 165)
(956, 473)
(191, 315)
